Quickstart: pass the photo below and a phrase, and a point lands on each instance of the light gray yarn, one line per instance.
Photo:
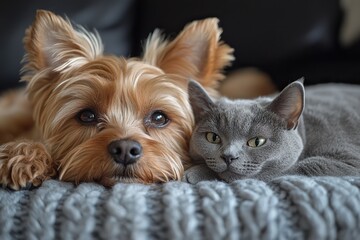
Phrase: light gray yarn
(289, 207)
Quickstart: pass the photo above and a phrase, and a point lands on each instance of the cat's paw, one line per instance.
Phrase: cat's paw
(199, 173)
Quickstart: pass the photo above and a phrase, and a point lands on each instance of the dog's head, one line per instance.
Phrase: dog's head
(105, 118)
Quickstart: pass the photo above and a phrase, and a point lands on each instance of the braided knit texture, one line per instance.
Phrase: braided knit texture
(289, 207)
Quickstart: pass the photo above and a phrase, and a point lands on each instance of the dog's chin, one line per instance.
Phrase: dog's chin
(111, 181)
(132, 174)
(87, 163)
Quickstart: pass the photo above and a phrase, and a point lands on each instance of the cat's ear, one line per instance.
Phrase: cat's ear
(289, 104)
(199, 100)
(301, 80)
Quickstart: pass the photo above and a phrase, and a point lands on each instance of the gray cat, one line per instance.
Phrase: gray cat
(269, 137)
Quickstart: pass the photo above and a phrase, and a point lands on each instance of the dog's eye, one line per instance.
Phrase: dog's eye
(87, 116)
(158, 119)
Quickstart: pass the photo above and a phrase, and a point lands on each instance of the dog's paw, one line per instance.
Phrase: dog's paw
(199, 173)
(29, 186)
(24, 165)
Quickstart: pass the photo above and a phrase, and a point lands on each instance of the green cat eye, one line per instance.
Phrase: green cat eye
(213, 137)
(256, 142)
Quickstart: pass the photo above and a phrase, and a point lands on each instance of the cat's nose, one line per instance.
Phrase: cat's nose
(229, 158)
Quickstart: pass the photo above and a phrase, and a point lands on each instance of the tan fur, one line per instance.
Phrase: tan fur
(15, 116)
(66, 72)
(247, 83)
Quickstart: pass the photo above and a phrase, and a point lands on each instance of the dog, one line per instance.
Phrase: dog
(89, 117)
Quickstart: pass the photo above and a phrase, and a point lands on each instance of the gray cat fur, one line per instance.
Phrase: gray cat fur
(316, 135)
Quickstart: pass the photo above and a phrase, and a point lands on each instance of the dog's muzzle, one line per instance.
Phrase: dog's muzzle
(125, 151)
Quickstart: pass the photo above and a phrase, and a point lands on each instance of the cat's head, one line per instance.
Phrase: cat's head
(247, 138)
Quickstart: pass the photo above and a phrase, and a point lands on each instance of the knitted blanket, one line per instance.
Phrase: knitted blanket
(287, 208)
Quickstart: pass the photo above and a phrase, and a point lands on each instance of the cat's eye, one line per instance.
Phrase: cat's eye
(213, 138)
(87, 116)
(157, 119)
(256, 142)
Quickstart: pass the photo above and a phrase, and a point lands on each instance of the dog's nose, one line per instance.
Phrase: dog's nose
(125, 151)
(229, 158)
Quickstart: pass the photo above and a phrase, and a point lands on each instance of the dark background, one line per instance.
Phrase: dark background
(287, 39)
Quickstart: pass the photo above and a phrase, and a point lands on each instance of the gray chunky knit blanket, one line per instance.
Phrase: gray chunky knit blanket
(286, 208)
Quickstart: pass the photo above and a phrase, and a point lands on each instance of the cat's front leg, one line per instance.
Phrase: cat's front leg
(322, 166)
(198, 173)
(24, 164)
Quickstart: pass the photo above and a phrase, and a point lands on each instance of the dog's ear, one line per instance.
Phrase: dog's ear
(52, 42)
(196, 53)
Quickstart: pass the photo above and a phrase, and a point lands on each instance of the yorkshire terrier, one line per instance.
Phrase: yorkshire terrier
(85, 116)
